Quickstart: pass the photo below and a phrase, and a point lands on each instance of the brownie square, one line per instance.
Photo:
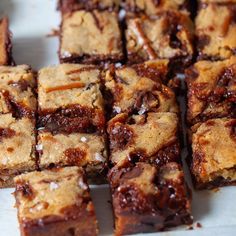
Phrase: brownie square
(55, 202)
(70, 99)
(213, 153)
(5, 42)
(73, 5)
(17, 91)
(90, 37)
(165, 35)
(138, 89)
(152, 7)
(83, 150)
(211, 90)
(148, 199)
(17, 148)
(216, 35)
(152, 138)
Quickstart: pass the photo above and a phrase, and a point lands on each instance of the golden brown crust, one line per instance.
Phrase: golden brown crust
(17, 91)
(83, 150)
(213, 148)
(17, 145)
(55, 202)
(216, 35)
(211, 90)
(148, 138)
(148, 199)
(166, 35)
(139, 89)
(70, 99)
(5, 42)
(90, 37)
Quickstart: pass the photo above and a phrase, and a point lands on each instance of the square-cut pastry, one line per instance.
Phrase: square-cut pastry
(216, 35)
(166, 35)
(17, 91)
(213, 153)
(211, 90)
(5, 42)
(55, 202)
(70, 99)
(73, 5)
(151, 7)
(138, 89)
(83, 150)
(90, 37)
(149, 199)
(17, 148)
(151, 138)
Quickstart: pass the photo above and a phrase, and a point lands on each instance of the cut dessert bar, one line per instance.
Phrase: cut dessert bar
(17, 85)
(138, 89)
(5, 43)
(73, 5)
(70, 99)
(55, 202)
(216, 35)
(149, 199)
(166, 35)
(90, 37)
(213, 153)
(211, 90)
(17, 147)
(151, 7)
(151, 138)
(83, 150)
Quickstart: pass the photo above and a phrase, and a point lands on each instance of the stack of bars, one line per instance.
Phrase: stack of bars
(211, 83)
(109, 112)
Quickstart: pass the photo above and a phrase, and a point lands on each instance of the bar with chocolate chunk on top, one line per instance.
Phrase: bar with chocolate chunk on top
(138, 89)
(151, 138)
(90, 37)
(213, 162)
(83, 150)
(5, 43)
(55, 202)
(66, 6)
(167, 35)
(211, 90)
(149, 199)
(152, 7)
(17, 91)
(216, 35)
(17, 148)
(70, 99)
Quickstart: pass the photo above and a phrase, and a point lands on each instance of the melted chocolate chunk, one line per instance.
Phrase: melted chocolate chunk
(6, 133)
(75, 156)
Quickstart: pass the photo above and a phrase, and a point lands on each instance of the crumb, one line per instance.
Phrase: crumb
(54, 33)
(215, 190)
(190, 228)
(198, 225)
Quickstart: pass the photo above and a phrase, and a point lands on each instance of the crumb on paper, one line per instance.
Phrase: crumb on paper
(53, 33)
(198, 225)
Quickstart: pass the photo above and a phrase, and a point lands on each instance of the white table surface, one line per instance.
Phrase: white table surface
(30, 22)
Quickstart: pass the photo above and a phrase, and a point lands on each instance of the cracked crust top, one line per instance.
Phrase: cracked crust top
(91, 37)
(150, 138)
(214, 156)
(139, 89)
(69, 84)
(83, 150)
(211, 90)
(17, 85)
(216, 35)
(50, 193)
(165, 35)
